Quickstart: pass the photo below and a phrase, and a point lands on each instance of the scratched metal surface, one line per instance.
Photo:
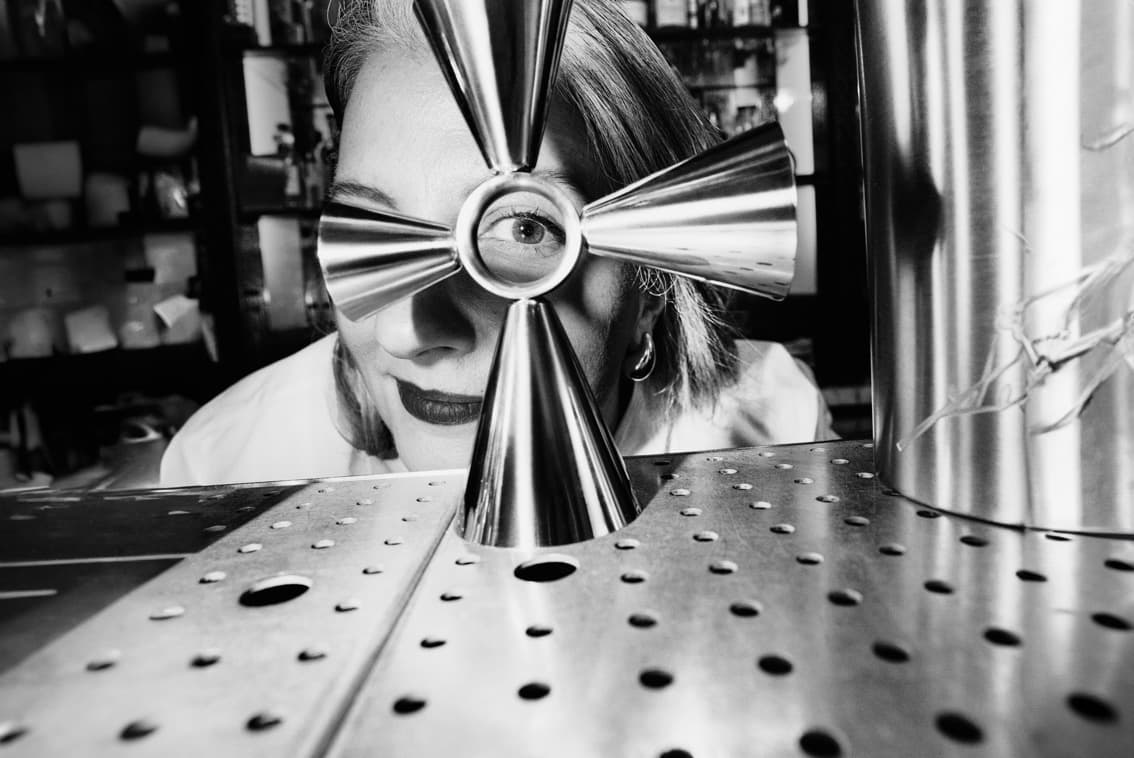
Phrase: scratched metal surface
(180, 665)
(769, 602)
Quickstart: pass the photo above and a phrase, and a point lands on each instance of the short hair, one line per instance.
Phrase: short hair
(638, 118)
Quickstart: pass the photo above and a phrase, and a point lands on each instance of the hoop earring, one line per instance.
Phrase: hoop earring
(645, 365)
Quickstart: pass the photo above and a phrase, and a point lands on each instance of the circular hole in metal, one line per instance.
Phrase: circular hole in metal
(662, 462)
(926, 513)
(348, 605)
(263, 721)
(643, 620)
(215, 528)
(776, 665)
(845, 597)
(745, 608)
(534, 691)
(998, 636)
(690, 511)
(828, 498)
(170, 612)
(727, 471)
(783, 529)
(1030, 576)
(805, 480)
(312, 654)
(819, 743)
(104, 662)
(940, 586)
(723, 567)
(809, 559)
(669, 476)
(892, 548)
(392, 541)
(891, 652)
(840, 461)
(760, 505)
(864, 475)
(856, 521)
(538, 630)
(514, 256)
(973, 540)
(467, 560)
(347, 521)
(432, 642)
(275, 590)
(281, 525)
(706, 536)
(634, 576)
(655, 679)
(251, 547)
(1118, 564)
(212, 577)
(960, 728)
(1110, 621)
(451, 596)
(1091, 707)
(370, 570)
(784, 466)
(676, 753)
(628, 543)
(364, 501)
(1057, 537)
(679, 492)
(425, 499)
(322, 544)
(714, 458)
(206, 658)
(10, 731)
(137, 729)
(742, 486)
(408, 704)
(547, 568)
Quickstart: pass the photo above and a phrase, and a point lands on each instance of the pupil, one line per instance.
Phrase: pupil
(527, 231)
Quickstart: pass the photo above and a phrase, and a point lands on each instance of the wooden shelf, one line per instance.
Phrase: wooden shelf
(185, 368)
(80, 63)
(33, 238)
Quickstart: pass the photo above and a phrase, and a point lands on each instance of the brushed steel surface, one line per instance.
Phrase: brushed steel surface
(765, 600)
(372, 257)
(1003, 337)
(545, 469)
(180, 666)
(500, 58)
(725, 216)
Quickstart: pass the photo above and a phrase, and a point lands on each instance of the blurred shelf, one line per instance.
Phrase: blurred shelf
(184, 368)
(294, 50)
(687, 34)
(763, 84)
(81, 63)
(252, 214)
(31, 238)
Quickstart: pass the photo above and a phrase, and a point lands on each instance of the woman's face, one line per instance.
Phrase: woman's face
(425, 360)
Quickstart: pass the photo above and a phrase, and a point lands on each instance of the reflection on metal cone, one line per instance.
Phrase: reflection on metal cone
(500, 58)
(372, 258)
(725, 216)
(545, 470)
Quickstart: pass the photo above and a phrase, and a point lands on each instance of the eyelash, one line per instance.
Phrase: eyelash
(530, 215)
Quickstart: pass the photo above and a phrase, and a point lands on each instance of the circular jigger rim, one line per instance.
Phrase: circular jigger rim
(468, 224)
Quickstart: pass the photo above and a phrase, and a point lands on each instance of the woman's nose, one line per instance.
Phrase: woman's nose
(427, 327)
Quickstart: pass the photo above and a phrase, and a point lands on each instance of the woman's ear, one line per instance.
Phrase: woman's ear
(650, 306)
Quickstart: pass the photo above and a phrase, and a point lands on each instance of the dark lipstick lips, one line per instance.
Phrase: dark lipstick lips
(435, 407)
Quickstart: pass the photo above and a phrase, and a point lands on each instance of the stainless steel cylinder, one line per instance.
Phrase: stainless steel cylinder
(1000, 216)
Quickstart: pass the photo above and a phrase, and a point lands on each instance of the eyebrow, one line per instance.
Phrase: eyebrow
(347, 188)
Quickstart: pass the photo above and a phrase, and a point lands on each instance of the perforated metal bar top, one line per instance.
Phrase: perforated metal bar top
(769, 601)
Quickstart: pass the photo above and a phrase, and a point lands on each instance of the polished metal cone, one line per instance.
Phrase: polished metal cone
(500, 59)
(545, 470)
(372, 258)
(725, 216)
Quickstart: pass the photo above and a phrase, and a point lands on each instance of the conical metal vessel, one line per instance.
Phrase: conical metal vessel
(545, 469)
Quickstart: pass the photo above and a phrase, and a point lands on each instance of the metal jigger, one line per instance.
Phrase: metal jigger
(545, 470)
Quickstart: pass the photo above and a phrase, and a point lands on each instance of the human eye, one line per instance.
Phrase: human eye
(524, 231)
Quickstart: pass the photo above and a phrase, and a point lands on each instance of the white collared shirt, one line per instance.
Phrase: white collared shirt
(278, 423)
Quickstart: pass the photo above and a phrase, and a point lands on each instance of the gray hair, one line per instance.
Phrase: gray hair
(638, 118)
